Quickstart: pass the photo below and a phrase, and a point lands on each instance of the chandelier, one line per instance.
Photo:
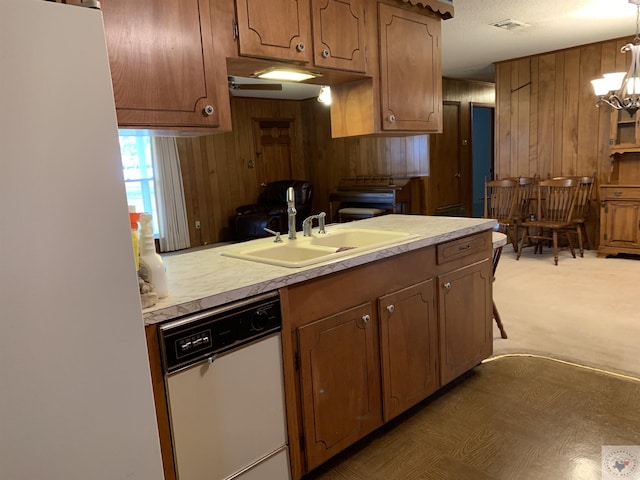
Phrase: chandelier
(621, 90)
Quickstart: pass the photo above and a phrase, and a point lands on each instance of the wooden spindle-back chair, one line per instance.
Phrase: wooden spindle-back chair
(555, 203)
(500, 203)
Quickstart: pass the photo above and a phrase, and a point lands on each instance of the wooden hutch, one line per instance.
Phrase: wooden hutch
(620, 198)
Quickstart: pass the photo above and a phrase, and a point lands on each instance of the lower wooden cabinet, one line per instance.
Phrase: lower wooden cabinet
(372, 341)
(408, 347)
(619, 219)
(465, 315)
(340, 381)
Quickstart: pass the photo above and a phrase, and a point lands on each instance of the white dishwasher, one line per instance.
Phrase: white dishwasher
(225, 392)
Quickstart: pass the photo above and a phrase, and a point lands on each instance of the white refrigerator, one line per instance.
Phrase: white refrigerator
(75, 391)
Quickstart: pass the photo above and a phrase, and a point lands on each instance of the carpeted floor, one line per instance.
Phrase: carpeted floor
(584, 310)
(511, 418)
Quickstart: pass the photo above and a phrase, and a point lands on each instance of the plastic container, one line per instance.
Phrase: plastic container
(149, 259)
(135, 235)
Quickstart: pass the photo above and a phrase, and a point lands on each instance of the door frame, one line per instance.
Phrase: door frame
(492, 148)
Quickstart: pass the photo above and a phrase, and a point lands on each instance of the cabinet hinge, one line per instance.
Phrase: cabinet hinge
(236, 31)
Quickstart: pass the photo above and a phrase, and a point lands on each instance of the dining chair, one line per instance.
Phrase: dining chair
(500, 204)
(581, 211)
(524, 196)
(555, 203)
(498, 241)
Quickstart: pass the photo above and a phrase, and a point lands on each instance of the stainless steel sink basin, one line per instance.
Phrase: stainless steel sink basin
(304, 251)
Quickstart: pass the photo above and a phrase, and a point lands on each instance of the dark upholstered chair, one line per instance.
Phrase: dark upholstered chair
(270, 210)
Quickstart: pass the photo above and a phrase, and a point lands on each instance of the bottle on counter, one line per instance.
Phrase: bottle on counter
(135, 235)
(150, 261)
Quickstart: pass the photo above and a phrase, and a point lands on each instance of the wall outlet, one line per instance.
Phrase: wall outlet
(197, 224)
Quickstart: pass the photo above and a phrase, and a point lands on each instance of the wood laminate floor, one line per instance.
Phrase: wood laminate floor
(512, 418)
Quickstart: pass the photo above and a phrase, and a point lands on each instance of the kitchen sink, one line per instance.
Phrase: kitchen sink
(357, 238)
(304, 251)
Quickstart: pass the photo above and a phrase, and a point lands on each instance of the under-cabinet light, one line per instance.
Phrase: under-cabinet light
(286, 75)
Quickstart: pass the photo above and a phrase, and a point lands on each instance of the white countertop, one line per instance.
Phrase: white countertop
(203, 279)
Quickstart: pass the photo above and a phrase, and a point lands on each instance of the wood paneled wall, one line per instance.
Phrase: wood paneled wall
(217, 172)
(217, 178)
(333, 159)
(466, 94)
(546, 120)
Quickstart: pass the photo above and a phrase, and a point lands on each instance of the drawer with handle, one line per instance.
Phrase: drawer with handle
(462, 247)
(618, 192)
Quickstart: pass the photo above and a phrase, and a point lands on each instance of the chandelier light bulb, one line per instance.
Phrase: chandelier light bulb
(619, 90)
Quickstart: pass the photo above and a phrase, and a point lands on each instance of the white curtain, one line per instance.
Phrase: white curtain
(172, 213)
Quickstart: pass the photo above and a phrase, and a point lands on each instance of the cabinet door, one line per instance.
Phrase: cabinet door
(621, 224)
(625, 131)
(339, 34)
(465, 315)
(408, 347)
(162, 66)
(340, 381)
(410, 70)
(279, 29)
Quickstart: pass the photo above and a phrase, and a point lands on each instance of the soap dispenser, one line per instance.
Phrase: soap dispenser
(149, 258)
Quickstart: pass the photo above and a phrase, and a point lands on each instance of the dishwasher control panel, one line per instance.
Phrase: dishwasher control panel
(203, 335)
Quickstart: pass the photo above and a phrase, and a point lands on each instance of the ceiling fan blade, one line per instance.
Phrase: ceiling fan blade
(257, 86)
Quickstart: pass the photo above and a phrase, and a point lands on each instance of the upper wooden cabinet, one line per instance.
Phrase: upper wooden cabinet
(284, 30)
(277, 29)
(410, 70)
(339, 34)
(164, 71)
(404, 94)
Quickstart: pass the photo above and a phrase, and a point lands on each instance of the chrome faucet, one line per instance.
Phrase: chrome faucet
(273, 232)
(291, 212)
(307, 224)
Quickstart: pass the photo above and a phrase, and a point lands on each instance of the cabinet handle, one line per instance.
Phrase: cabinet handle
(391, 308)
(326, 53)
(300, 47)
(366, 318)
(617, 194)
(464, 247)
(208, 110)
(392, 118)
(447, 286)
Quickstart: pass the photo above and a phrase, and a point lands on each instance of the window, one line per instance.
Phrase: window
(137, 167)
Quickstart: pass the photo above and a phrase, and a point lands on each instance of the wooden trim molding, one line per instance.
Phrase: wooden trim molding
(441, 7)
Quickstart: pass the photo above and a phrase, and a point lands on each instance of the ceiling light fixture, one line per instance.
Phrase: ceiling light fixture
(286, 75)
(325, 95)
(620, 90)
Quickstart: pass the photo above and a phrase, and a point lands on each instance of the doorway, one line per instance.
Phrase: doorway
(273, 149)
(446, 169)
(482, 153)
